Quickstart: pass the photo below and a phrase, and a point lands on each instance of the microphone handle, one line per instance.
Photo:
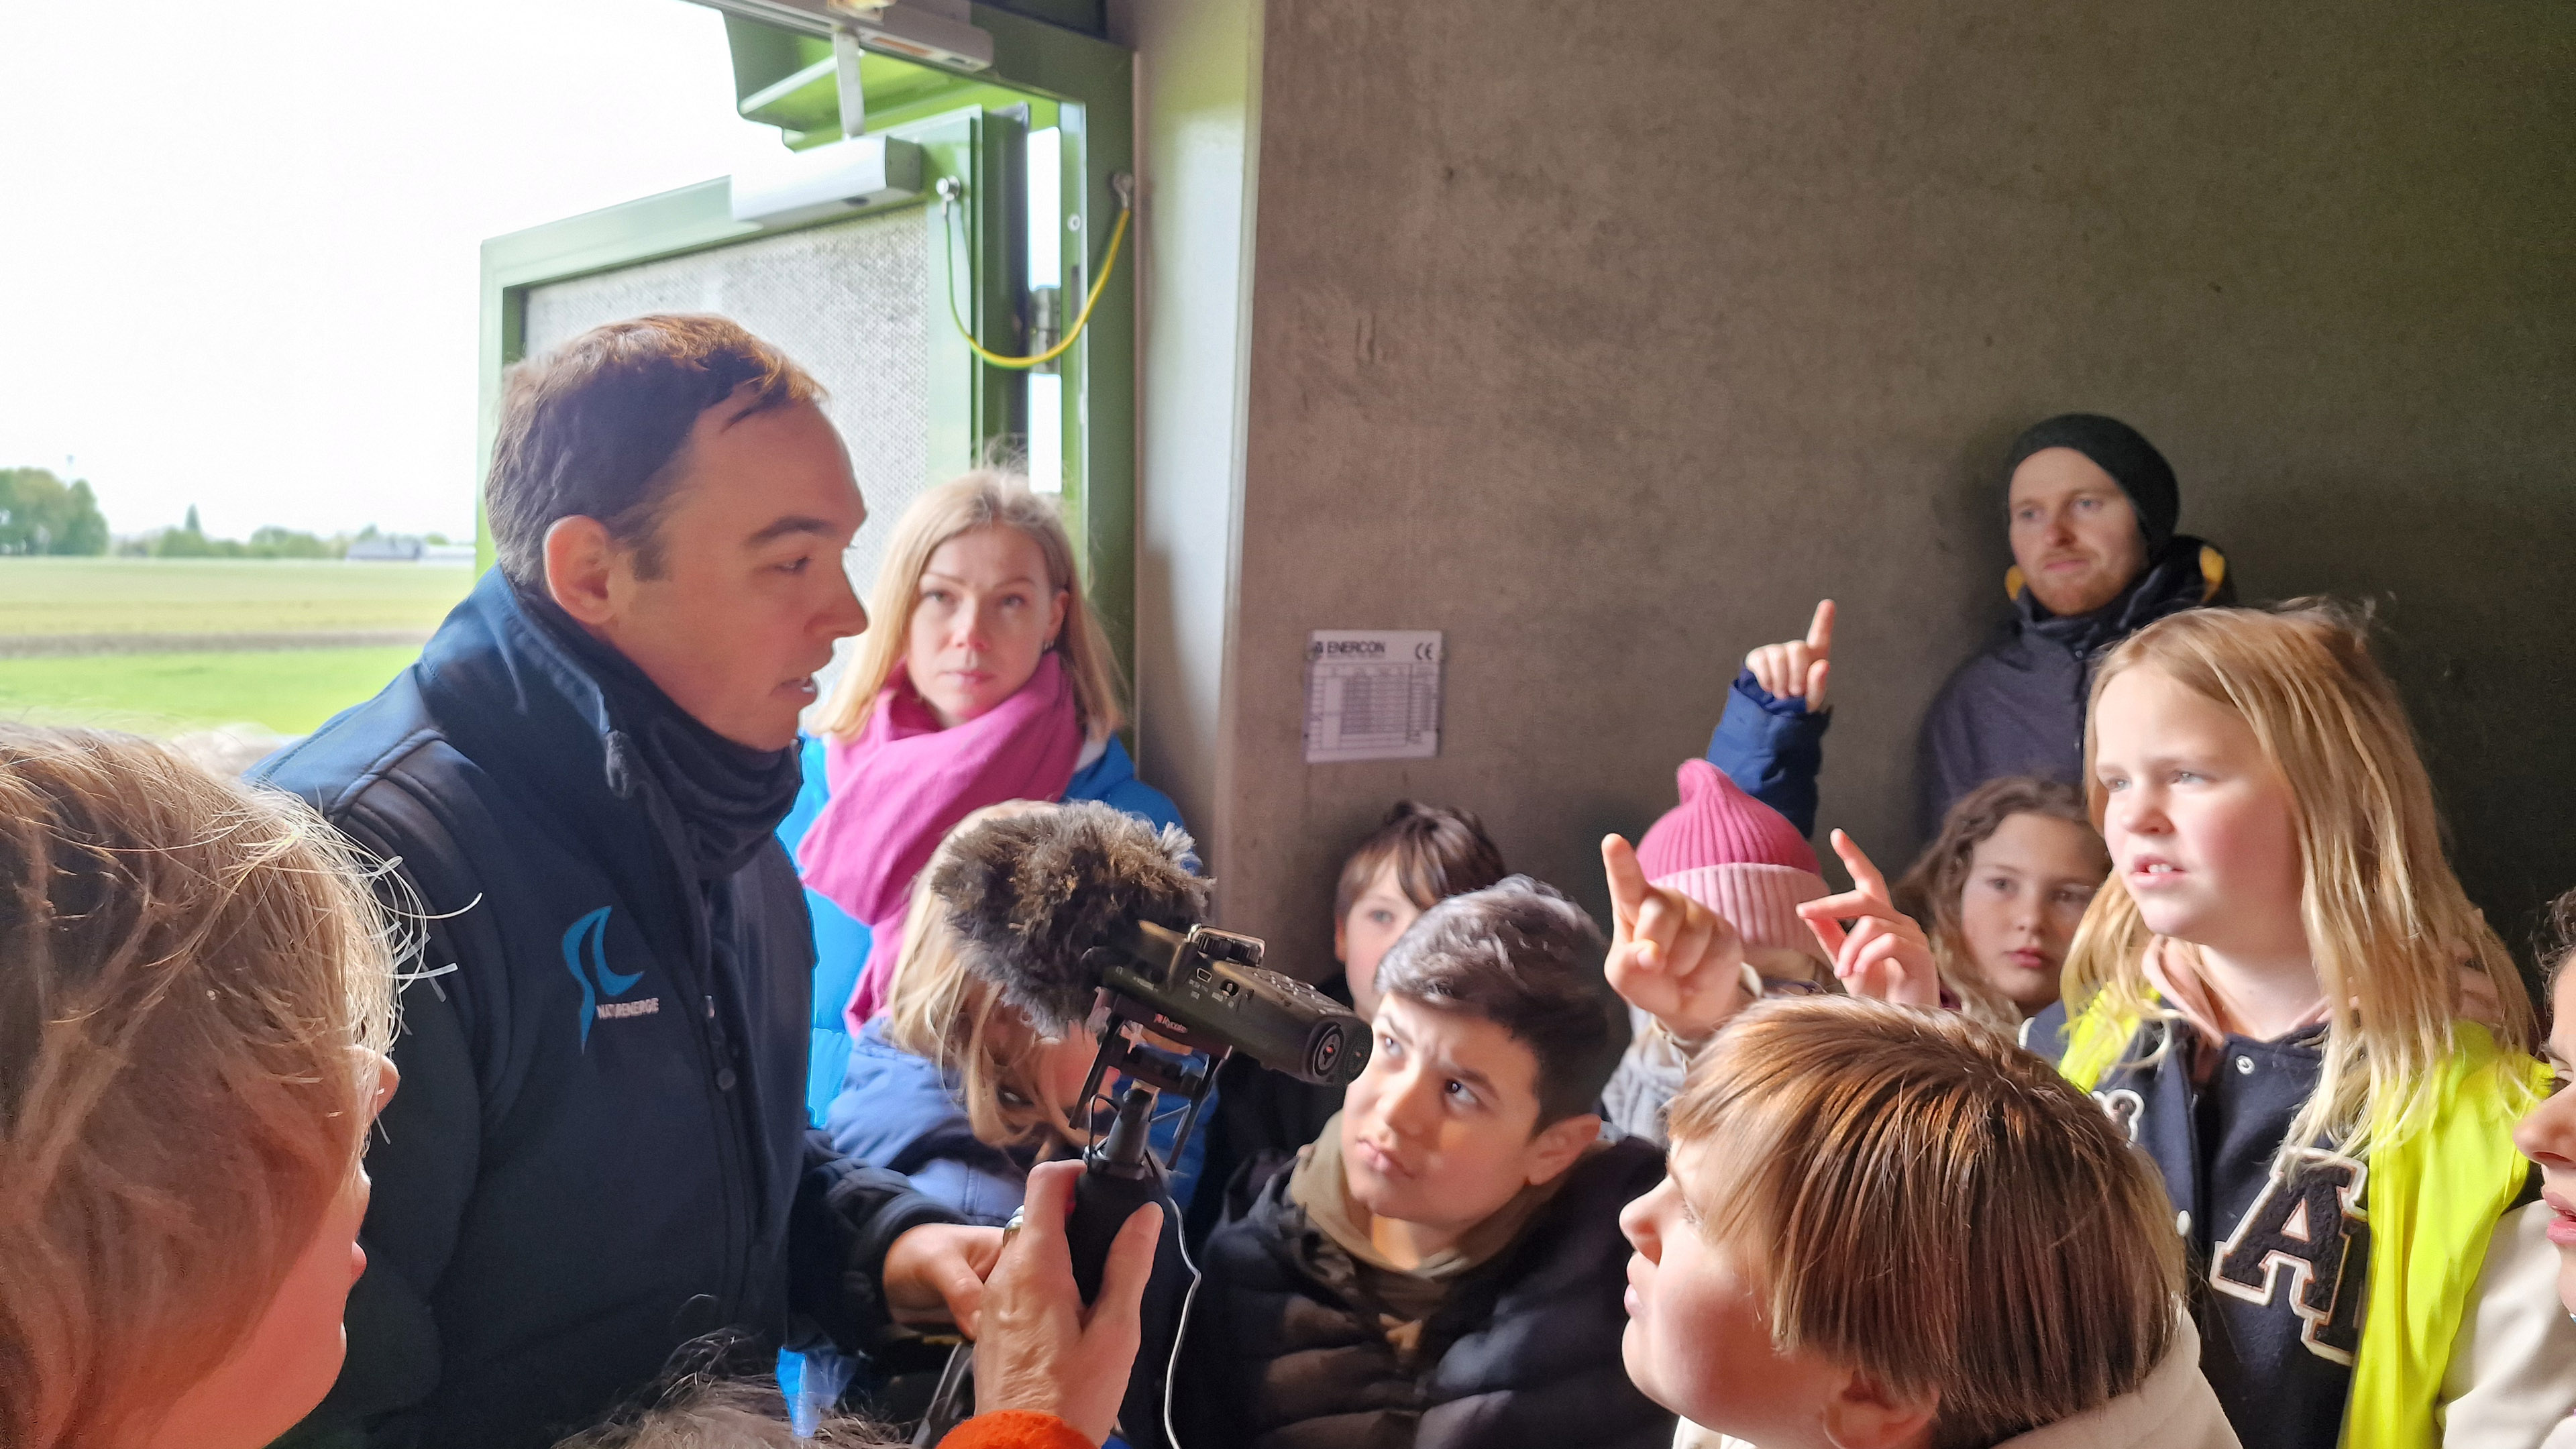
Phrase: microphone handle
(1103, 1199)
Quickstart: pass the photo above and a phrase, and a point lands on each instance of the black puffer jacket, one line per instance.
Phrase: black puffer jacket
(1285, 1349)
(2017, 706)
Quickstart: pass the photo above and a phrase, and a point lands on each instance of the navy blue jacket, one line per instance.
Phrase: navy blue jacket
(599, 1150)
(1772, 749)
(2017, 706)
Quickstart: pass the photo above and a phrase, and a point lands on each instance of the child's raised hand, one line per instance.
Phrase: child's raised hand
(1798, 669)
(1885, 955)
(1670, 957)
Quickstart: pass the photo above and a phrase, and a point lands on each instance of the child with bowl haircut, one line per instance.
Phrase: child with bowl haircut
(1440, 1268)
(1888, 1228)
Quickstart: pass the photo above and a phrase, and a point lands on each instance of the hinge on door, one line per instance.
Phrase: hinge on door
(1046, 324)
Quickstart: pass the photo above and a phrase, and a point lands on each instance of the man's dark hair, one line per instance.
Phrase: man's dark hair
(596, 428)
(1522, 956)
(1437, 853)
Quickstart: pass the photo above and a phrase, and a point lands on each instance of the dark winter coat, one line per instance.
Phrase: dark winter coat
(2017, 706)
(599, 1150)
(1285, 1348)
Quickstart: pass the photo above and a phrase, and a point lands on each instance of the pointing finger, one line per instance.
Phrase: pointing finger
(1816, 674)
(1820, 632)
(1627, 879)
(1863, 873)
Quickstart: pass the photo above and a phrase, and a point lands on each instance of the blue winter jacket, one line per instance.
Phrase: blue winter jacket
(1772, 749)
(899, 1111)
(841, 943)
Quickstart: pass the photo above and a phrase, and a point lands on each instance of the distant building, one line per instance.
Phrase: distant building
(387, 548)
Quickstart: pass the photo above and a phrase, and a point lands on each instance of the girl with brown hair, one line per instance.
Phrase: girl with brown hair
(2003, 888)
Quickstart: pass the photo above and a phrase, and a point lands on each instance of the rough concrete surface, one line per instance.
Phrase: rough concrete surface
(1608, 338)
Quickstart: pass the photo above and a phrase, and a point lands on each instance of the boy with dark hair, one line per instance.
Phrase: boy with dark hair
(1417, 857)
(1441, 1266)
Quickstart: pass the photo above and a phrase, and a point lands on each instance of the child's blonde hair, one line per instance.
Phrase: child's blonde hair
(1934, 1207)
(985, 498)
(189, 970)
(939, 1010)
(2387, 923)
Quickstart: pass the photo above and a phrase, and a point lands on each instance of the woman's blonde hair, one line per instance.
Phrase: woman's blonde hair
(1932, 1206)
(939, 1010)
(188, 972)
(2387, 924)
(988, 497)
(1938, 879)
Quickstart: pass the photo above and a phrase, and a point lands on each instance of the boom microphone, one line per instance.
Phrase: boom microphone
(1054, 905)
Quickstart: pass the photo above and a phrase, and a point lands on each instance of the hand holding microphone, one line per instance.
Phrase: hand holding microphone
(1042, 1349)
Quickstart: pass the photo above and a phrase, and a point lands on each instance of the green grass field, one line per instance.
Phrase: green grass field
(287, 691)
(222, 596)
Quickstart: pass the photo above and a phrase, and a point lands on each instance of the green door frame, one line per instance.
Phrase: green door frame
(968, 128)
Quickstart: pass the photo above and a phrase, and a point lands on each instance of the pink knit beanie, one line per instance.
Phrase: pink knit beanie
(1736, 856)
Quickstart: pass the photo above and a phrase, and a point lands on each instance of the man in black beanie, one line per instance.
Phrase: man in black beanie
(2092, 507)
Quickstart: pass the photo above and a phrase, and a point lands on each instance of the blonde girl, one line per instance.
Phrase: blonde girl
(195, 999)
(951, 1085)
(984, 675)
(2289, 1003)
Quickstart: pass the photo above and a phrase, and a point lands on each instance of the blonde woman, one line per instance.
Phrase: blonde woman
(196, 994)
(950, 1085)
(2287, 1001)
(983, 676)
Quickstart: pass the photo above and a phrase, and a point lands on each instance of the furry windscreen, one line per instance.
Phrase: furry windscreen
(1031, 894)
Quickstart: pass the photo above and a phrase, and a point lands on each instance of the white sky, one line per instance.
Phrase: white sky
(239, 243)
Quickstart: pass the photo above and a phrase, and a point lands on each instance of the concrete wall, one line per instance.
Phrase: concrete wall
(1607, 338)
(1197, 102)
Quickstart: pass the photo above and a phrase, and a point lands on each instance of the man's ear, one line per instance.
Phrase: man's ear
(1865, 1414)
(581, 562)
(1341, 940)
(1556, 1146)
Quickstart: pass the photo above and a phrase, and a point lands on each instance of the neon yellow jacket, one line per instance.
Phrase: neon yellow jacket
(2435, 1194)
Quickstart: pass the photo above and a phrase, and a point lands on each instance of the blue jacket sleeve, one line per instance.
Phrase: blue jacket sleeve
(1772, 749)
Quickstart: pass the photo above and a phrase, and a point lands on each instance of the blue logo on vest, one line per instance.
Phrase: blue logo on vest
(588, 938)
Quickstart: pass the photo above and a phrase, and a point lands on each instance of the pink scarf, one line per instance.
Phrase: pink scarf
(904, 783)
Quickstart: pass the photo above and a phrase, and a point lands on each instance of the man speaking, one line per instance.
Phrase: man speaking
(599, 1149)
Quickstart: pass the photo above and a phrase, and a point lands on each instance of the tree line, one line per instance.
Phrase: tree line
(42, 514)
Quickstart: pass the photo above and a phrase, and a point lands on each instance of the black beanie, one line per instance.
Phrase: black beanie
(2117, 449)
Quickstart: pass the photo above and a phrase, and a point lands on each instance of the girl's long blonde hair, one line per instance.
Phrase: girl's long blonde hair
(988, 497)
(939, 1010)
(2387, 923)
(192, 977)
